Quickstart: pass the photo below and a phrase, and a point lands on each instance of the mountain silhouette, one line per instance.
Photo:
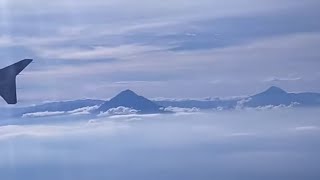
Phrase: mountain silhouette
(272, 96)
(277, 96)
(130, 99)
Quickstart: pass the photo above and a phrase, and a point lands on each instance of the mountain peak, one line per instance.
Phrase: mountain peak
(275, 90)
(127, 92)
(130, 99)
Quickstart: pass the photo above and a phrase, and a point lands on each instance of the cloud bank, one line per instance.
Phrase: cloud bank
(191, 145)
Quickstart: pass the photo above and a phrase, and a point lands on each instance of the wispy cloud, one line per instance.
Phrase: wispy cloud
(307, 128)
(98, 52)
(237, 67)
(279, 79)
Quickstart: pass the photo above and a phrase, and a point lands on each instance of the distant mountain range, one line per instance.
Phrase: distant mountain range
(274, 96)
(131, 102)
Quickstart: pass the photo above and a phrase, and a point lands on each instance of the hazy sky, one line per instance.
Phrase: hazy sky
(177, 48)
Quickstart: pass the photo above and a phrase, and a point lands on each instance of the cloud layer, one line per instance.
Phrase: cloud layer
(187, 146)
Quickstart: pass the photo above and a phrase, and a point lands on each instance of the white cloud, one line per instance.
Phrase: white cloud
(273, 107)
(307, 128)
(219, 108)
(43, 114)
(118, 111)
(80, 111)
(83, 110)
(241, 103)
(179, 110)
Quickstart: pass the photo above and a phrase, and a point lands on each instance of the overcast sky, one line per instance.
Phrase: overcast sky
(173, 49)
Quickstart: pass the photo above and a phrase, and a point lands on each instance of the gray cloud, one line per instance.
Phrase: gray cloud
(174, 43)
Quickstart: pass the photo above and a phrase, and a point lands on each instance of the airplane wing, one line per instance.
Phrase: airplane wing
(8, 91)
(8, 75)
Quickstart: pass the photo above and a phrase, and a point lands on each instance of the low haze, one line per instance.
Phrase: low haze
(271, 144)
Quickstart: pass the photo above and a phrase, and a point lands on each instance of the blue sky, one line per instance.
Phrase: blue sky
(178, 48)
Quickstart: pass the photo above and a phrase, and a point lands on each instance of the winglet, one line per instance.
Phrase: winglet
(16, 68)
(8, 80)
